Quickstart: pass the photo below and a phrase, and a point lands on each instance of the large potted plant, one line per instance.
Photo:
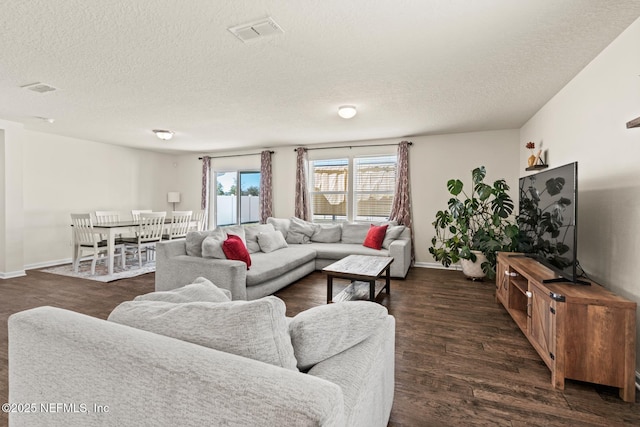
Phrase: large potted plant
(475, 226)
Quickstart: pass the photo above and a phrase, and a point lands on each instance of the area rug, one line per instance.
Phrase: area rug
(131, 269)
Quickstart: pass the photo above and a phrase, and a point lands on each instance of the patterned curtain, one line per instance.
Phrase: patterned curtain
(266, 188)
(302, 209)
(401, 207)
(204, 201)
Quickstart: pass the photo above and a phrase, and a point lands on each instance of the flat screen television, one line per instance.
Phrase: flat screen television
(548, 208)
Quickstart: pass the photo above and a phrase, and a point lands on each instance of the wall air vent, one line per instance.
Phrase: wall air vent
(256, 30)
(39, 87)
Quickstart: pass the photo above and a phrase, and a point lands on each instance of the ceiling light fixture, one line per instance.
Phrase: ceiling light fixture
(347, 111)
(164, 135)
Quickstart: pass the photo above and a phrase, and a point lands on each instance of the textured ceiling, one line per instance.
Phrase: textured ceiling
(416, 67)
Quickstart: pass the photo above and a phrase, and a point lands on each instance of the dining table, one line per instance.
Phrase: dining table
(111, 230)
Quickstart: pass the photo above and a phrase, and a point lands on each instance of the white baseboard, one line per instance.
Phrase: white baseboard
(47, 264)
(437, 265)
(12, 274)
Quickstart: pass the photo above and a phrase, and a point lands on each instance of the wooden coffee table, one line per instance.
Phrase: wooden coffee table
(363, 270)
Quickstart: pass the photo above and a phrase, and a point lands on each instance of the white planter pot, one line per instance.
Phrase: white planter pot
(473, 270)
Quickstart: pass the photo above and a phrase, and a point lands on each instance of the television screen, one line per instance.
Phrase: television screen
(547, 219)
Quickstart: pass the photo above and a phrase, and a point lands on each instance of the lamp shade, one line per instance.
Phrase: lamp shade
(173, 197)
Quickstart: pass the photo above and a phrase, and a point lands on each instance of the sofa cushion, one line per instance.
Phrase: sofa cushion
(331, 233)
(271, 241)
(341, 250)
(324, 331)
(280, 224)
(201, 290)
(236, 230)
(393, 232)
(254, 329)
(354, 232)
(267, 266)
(300, 231)
(375, 236)
(212, 246)
(251, 235)
(194, 239)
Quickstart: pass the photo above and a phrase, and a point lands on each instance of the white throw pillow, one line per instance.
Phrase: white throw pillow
(212, 246)
(324, 331)
(251, 234)
(300, 231)
(201, 290)
(353, 232)
(393, 232)
(271, 241)
(253, 329)
(194, 239)
(280, 224)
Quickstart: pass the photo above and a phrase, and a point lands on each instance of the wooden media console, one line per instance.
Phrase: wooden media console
(584, 333)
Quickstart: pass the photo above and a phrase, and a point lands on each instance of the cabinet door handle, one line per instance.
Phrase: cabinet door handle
(507, 273)
(529, 294)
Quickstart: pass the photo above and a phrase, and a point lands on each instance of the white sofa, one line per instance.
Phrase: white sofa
(78, 370)
(176, 265)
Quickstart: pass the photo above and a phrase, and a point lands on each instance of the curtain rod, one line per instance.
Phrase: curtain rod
(236, 155)
(350, 146)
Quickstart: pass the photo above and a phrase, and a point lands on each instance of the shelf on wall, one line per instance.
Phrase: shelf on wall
(633, 123)
(536, 167)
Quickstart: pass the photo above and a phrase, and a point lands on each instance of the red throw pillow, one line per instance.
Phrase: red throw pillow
(375, 236)
(233, 248)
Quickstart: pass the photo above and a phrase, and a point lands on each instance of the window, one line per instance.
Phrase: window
(329, 189)
(359, 188)
(231, 209)
(375, 185)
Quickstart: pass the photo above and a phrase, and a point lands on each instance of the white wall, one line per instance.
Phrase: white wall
(585, 122)
(433, 160)
(62, 175)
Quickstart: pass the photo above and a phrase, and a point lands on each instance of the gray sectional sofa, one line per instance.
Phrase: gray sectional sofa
(309, 247)
(193, 357)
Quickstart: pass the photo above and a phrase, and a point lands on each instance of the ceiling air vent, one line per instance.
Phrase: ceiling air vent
(39, 87)
(256, 30)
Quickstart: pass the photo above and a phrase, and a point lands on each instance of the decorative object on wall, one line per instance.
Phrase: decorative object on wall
(635, 123)
(164, 135)
(532, 158)
(534, 161)
(347, 111)
(173, 197)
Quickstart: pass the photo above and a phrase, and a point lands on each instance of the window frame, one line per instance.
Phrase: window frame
(238, 202)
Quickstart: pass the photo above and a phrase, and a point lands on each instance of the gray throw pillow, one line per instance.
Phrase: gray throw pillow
(271, 241)
(194, 239)
(393, 232)
(201, 290)
(327, 234)
(353, 232)
(212, 246)
(300, 231)
(251, 234)
(324, 331)
(280, 224)
(253, 329)
(237, 230)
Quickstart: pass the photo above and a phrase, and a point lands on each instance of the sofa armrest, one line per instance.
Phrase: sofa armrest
(144, 379)
(175, 269)
(400, 250)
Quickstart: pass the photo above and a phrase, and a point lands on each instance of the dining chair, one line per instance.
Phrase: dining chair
(135, 214)
(197, 221)
(86, 239)
(104, 217)
(179, 225)
(149, 232)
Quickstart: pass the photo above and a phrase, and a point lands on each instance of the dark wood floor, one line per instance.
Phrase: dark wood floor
(460, 359)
